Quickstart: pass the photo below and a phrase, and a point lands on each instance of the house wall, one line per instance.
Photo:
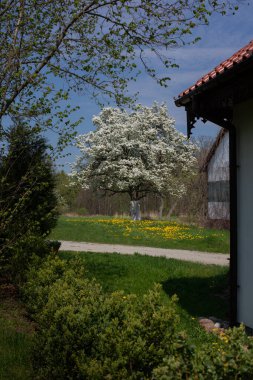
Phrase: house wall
(243, 120)
(218, 181)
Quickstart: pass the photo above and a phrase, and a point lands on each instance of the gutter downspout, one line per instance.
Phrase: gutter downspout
(233, 224)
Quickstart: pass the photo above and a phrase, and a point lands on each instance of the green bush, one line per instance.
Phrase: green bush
(53, 245)
(40, 278)
(84, 333)
(229, 358)
(23, 253)
(28, 203)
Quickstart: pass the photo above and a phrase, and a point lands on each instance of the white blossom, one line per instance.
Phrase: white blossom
(136, 153)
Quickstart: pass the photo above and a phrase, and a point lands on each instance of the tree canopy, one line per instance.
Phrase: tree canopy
(93, 44)
(137, 153)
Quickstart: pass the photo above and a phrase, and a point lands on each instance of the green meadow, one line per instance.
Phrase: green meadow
(160, 234)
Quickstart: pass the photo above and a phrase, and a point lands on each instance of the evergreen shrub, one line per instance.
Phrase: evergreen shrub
(28, 203)
(230, 357)
(84, 333)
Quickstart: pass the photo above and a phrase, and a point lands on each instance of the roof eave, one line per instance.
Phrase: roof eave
(202, 101)
(213, 82)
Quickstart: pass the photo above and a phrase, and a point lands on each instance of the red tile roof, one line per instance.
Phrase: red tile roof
(241, 55)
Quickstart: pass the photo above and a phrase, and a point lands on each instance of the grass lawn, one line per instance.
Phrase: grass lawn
(201, 288)
(161, 234)
(15, 341)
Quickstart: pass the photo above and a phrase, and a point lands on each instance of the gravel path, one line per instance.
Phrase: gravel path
(200, 257)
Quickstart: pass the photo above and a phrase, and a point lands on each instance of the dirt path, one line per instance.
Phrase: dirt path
(195, 256)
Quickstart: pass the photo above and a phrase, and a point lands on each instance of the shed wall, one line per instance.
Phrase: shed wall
(218, 181)
(218, 167)
(243, 120)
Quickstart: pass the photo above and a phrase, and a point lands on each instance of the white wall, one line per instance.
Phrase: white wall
(243, 120)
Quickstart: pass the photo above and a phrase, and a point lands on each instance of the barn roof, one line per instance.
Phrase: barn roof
(240, 56)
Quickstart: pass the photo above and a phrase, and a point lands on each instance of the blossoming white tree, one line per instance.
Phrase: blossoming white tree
(135, 153)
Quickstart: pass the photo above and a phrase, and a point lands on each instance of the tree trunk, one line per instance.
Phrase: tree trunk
(171, 210)
(135, 211)
(160, 212)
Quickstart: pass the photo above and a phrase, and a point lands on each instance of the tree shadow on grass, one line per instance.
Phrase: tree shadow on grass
(201, 296)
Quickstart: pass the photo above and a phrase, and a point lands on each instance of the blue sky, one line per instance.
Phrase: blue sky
(223, 37)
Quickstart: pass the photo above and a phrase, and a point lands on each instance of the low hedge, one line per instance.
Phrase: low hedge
(229, 358)
(84, 333)
(17, 257)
